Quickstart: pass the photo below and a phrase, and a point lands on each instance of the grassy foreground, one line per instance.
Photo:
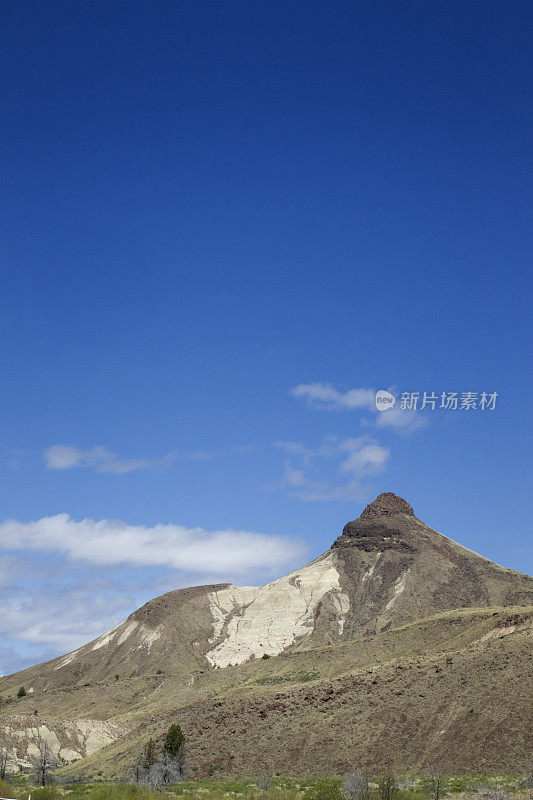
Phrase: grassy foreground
(473, 786)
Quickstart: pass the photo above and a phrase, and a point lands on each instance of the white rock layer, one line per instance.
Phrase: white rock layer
(268, 619)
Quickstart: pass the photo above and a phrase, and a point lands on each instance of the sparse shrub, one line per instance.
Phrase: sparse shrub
(166, 771)
(527, 778)
(21, 692)
(149, 754)
(264, 784)
(494, 792)
(388, 788)
(406, 783)
(7, 746)
(302, 676)
(158, 770)
(265, 656)
(44, 763)
(462, 783)
(435, 785)
(355, 786)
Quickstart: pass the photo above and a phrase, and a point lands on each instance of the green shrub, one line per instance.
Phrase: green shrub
(46, 793)
(6, 790)
(21, 692)
(174, 741)
(149, 753)
(326, 790)
(412, 794)
(106, 791)
(461, 784)
(388, 788)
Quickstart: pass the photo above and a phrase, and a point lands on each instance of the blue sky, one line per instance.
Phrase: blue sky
(221, 219)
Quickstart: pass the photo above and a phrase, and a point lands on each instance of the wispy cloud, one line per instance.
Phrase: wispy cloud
(61, 457)
(364, 457)
(356, 457)
(328, 447)
(402, 419)
(113, 543)
(299, 485)
(59, 621)
(325, 396)
(100, 459)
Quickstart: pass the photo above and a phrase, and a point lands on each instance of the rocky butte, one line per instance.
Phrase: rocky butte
(391, 596)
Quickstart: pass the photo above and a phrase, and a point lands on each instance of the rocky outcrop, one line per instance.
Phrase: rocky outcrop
(381, 526)
(387, 503)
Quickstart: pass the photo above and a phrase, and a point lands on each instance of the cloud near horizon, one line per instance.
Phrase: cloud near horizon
(64, 581)
(113, 543)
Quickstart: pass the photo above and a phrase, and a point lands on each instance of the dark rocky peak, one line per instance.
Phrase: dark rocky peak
(380, 527)
(387, 503)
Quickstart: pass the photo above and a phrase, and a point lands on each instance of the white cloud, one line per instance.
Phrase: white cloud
(41, 620)
(329, 447)
(402, 419)
(100, 459)
(112, 543)
(364, 459)
(60, 620)
(327, 397)
(299, 485)
(324, 395)
(360, 458)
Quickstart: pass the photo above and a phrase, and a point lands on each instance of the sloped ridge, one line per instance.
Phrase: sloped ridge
(447, 691)
(156, 611)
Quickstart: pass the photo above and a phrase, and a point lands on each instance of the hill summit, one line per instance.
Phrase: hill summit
(387, 503)
(388, 585)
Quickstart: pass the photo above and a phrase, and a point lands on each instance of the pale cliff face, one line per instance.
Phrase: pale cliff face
(249, 622)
